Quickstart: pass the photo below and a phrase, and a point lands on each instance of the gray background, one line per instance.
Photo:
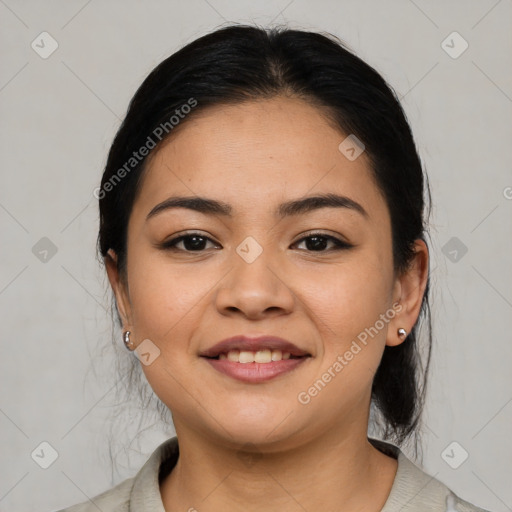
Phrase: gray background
(58, 116)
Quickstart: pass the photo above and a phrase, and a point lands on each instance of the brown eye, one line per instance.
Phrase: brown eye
(192, 242)
(317, 242)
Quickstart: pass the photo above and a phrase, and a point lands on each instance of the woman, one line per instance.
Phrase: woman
(262, 225)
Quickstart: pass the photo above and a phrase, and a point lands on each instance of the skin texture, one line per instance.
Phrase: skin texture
(255, 446)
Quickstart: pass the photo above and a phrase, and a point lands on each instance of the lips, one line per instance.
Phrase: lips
(255, 360)
(253, 344)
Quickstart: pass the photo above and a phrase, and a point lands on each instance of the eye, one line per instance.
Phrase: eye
(196, 242)
(317, 242)
(192, 242)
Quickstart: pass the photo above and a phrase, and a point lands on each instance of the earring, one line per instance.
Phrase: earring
(402, 333)
(127, 342)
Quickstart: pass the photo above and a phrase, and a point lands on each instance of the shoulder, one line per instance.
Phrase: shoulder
(457, 503)
(115, 499)
(414, 490)
(140, 492)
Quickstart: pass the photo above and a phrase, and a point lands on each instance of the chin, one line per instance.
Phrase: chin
(257, 430)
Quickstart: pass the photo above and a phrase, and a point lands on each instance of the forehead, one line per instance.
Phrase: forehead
(253, 153)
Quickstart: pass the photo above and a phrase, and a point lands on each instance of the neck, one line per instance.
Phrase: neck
(331, 472)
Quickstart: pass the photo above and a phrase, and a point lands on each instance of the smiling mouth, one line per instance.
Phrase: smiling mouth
(255, 367)
(259, 356)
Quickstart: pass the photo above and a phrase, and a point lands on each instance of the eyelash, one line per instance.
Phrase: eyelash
(340, 245)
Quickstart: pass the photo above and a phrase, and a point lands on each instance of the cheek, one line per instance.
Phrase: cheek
(166, 305)
(348, 308)
(353, 311)
(350, 298)
(164, 297)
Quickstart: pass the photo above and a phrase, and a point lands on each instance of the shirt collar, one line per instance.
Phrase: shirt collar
(412, 489)
(409, 486)
(145, 493)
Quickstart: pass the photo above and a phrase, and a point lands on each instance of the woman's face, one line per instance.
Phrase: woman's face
(255, 272)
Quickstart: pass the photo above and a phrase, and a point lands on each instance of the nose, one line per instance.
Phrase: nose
(254, 289)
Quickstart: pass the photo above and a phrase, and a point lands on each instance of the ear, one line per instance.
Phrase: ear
(408, 292)
(120, 288)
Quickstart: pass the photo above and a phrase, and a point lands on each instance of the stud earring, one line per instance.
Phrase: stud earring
(402, 333)
(127, 342)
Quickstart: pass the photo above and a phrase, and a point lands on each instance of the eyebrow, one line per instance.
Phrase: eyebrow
(308, 204)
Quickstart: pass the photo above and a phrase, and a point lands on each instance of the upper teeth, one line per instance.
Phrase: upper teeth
(260, 356)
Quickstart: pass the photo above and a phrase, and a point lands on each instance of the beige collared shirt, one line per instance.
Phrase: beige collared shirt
(413, 490)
